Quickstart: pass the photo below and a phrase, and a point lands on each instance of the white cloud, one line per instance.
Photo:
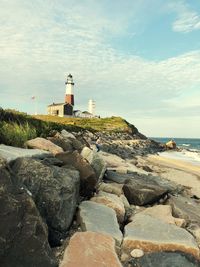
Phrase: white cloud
(42, 41)
(187, 19)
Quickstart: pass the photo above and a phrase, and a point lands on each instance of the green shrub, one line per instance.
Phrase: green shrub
(14, 134)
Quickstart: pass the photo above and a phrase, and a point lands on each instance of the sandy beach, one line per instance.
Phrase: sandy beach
(176, 170)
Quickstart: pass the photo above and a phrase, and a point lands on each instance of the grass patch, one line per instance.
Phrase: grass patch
(14, 134)
(112, 124)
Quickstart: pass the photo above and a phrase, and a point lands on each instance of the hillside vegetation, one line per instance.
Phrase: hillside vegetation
(16, 127)
(116, 124)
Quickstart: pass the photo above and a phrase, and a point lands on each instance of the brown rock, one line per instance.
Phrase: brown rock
(87, 175)
(171, 144)
(44, 144)
(90, 250)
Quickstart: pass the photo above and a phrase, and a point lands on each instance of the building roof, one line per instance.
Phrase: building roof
(59, 104)
(86, 112)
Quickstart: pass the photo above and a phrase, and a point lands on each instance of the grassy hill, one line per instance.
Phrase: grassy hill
(16, 127)
(115, 124)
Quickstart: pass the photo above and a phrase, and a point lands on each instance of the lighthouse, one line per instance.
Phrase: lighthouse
(69, 95)
(91, 106)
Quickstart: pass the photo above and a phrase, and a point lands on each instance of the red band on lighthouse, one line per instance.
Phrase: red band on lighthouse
(69, 96)
(69, 99)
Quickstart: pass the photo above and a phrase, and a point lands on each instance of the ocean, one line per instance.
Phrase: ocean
(190, 149)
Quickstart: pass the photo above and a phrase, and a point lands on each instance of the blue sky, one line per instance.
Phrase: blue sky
(136, 59)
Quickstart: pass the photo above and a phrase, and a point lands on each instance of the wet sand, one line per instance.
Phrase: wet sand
(179, 171)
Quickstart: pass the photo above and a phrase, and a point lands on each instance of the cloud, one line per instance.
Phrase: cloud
(187, 19)
(42, 41)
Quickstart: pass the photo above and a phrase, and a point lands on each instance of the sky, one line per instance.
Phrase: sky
(138, 59)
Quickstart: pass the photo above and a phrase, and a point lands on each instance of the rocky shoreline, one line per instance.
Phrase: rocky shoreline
(63, 204)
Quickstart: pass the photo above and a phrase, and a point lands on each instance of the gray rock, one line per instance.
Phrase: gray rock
(164, 259)
(121, 178)
(87, 175)
(66, 135)
(152, 235)
(58, 140)
(97, 163)
(188, 209)
(112, 188)
(77, 145)
(52, 161)
(55, 191)
(185, 208)
(10, 153)
(67, 141)
(116, 177)
(112, 201)
(23, 234)
(142, 194)
(141, 189)
(96, 217)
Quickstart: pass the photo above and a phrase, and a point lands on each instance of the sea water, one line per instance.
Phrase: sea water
(190, 149)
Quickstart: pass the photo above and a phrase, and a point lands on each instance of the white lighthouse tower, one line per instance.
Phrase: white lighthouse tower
(69, 95)
(91, 106)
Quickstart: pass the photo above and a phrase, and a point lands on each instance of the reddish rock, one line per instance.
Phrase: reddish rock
(44, 144)
(91, 249)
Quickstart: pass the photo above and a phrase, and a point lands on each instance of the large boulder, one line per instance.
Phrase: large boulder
(23, 234)
(171, 144)
(97, 163)
(143, 179)
(67, 141)
(76, 144)
(44, 144)
(87, 175)
(153, 235)
(55, 191)
(94, 249)
(112, 201)
(99, 218)
(10, 153)
(164, 259)
(58, 140)
(142, 194)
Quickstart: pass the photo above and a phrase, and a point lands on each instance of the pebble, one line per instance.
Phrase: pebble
(137, 253)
